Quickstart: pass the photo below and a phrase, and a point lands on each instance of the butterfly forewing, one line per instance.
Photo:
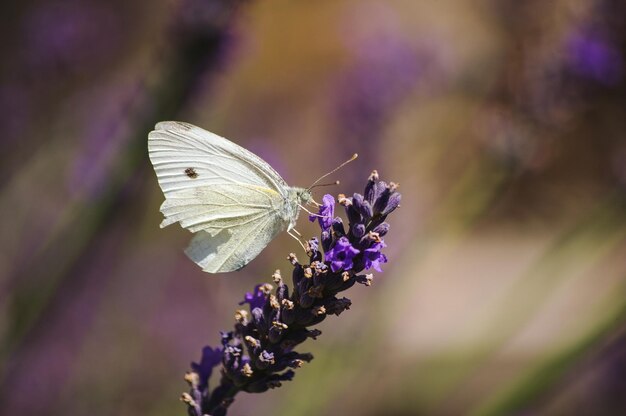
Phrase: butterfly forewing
(180, 152)
(232, 198)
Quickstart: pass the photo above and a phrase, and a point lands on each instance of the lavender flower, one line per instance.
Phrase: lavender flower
(373, 256)
(210, 358)
(326, 213)
(341, 255)
(591, 56)
(256, 299)
(258, 354)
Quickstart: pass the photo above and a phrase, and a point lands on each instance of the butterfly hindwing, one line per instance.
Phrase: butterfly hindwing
(231, 249)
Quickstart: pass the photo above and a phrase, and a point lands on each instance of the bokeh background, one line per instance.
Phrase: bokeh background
(503, 121)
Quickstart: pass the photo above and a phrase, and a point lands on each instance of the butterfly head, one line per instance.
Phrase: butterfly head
(304, 195)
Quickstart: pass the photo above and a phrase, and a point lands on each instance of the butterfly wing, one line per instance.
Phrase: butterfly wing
(230, 197)
(181, 151)
(225, 251)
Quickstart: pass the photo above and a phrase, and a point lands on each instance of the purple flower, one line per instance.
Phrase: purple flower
(387, 199)
(341, 255)
(256, 299)
(210, 358)
(326, 212)
(259, 354)
(594, 57)
(373, 257)
(67, 35)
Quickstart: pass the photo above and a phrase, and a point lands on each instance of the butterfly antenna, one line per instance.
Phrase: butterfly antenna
(313, 201)
(324, 184)
(354, 156)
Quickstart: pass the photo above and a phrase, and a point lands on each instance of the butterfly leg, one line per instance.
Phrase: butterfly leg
(311, 213)
(297, 238)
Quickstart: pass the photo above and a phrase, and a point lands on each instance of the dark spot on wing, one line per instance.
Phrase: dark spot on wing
(191, 172)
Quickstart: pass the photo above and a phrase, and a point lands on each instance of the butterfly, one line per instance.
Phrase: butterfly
(233, 200)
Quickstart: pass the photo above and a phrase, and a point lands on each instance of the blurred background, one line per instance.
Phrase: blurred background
(503, 121)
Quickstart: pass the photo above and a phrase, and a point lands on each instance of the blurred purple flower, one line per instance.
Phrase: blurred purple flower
(105, 133)
(70, 34)
(385, 69)
(267, 150)
(594, 57)
(341, 255)
(387, 66)
(15, 112)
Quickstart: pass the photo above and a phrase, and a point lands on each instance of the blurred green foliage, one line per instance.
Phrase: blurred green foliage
(503, 122)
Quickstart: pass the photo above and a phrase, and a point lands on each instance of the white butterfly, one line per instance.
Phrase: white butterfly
(233, 200)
